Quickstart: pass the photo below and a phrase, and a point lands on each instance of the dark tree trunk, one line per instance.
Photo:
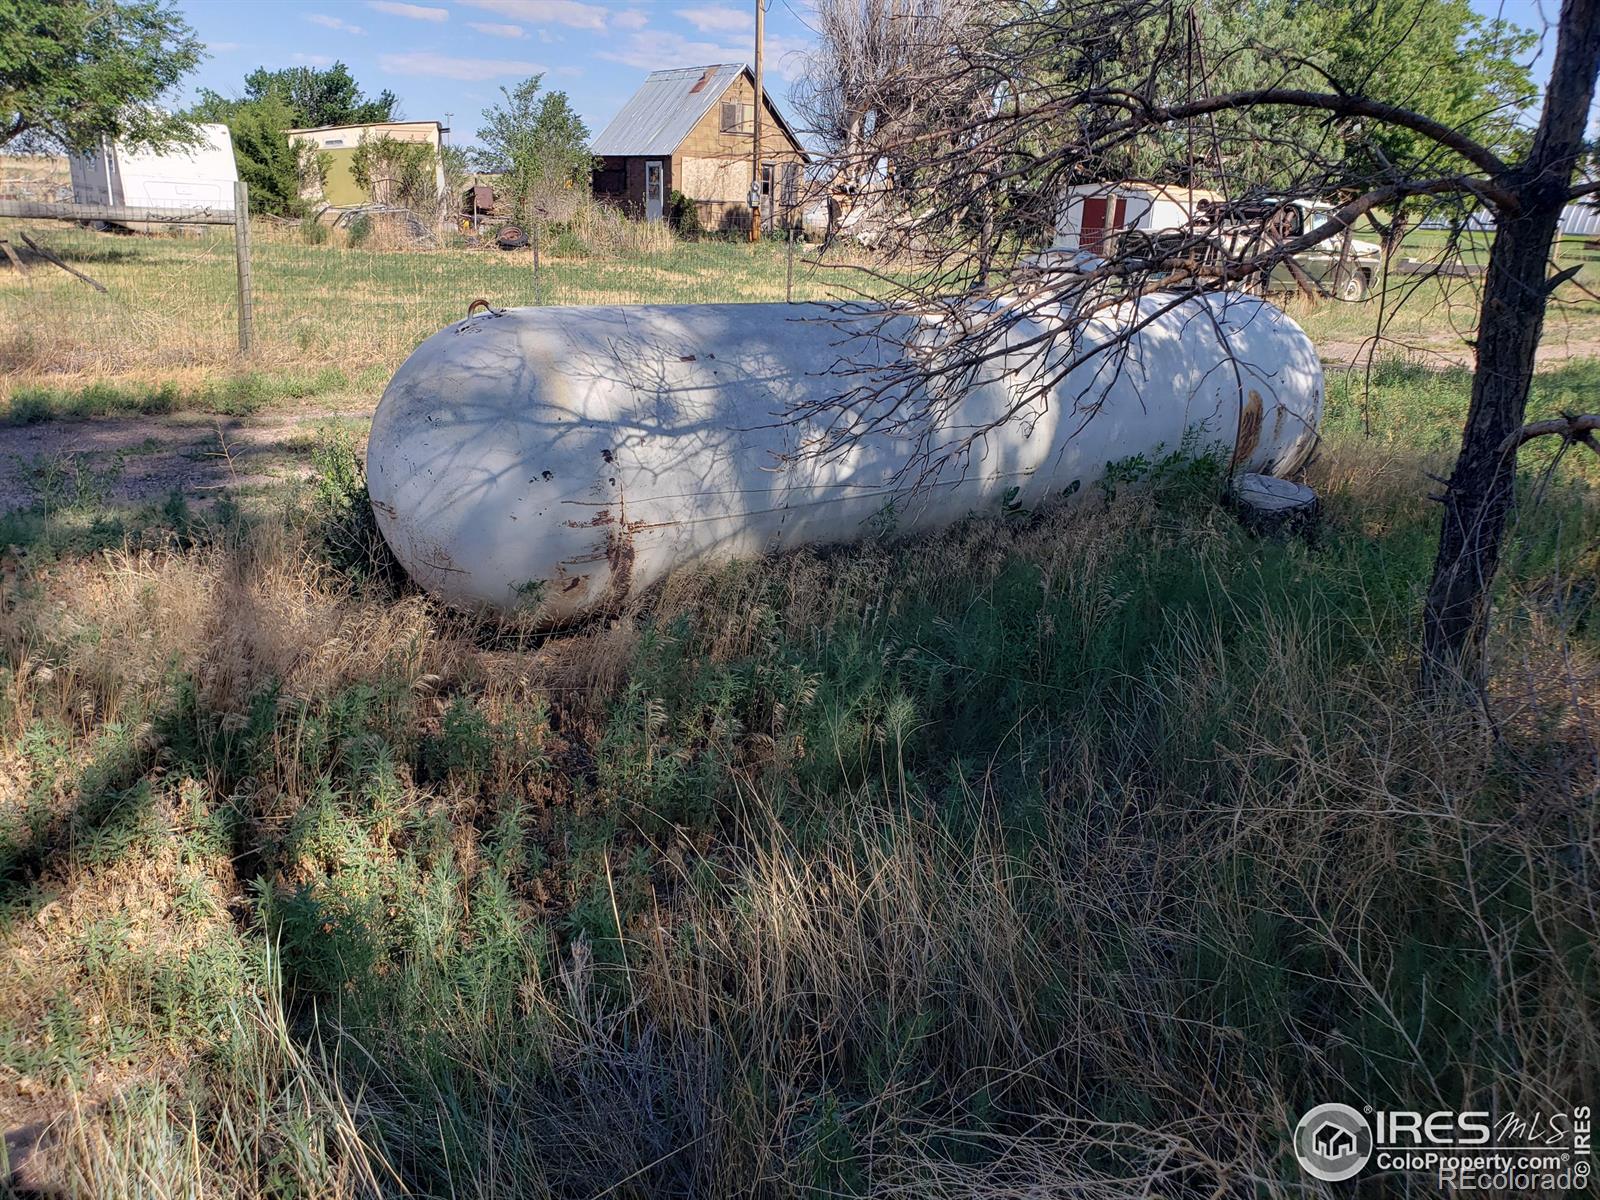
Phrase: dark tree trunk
(1481, 489)
(1394, 234)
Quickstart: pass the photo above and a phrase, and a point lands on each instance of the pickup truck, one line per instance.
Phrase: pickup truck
(1245, 230)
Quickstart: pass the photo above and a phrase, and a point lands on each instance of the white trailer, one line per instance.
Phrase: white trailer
(1094, 216)
(201, 176)
(1092, 212)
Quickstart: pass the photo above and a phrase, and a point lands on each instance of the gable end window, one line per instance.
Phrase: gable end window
(738, 118)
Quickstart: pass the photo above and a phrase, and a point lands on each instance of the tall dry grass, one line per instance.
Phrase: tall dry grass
(1072, 857)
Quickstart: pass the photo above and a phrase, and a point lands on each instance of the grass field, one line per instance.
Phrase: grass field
(335, 322)
(170, 308)
(1067, 854)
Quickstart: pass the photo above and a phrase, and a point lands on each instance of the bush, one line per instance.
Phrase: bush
(342, 510)
(358, 230)
(683, 214)
(396, 172)
(313, 231)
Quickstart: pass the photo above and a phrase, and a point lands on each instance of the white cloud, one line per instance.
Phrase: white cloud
(412, 12)
(573, 13)
(633, 18)
(718, 18)
(493, 30)
(338, 23)
(786, 57)
(445, 66)
(314, 60)
(650, 51)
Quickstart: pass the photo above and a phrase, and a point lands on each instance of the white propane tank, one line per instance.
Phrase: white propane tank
(564, 458)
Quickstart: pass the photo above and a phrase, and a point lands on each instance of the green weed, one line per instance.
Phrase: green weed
(969, 863)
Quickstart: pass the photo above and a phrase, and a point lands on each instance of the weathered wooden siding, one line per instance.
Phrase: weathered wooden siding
(712, 167)
(629, 170)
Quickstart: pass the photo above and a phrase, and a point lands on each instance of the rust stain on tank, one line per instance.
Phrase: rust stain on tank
(619, 553)
(1249, 429)
(601, 518)
(432, 554)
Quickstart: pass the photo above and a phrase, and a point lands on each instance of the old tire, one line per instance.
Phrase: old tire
(1353, 287)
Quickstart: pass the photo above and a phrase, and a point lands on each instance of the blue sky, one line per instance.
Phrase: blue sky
(447, 59)
(453, 56)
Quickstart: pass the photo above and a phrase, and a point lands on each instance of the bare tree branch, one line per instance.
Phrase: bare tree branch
(1569, 427)
(1343, 105)
(988, 133)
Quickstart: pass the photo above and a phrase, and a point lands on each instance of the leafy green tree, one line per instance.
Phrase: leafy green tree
(74, 71)
(536, 141)
(322, 96)
(1465, 70)
(1437, 58)
(275, 101)
(276, 169)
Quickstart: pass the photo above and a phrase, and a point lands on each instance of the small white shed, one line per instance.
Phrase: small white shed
(1091, 212)
(198, 177)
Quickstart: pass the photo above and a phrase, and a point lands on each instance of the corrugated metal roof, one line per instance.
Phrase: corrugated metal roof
(657, 118)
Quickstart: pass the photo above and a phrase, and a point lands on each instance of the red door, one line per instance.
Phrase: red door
(1102, 215)
(1092, 225)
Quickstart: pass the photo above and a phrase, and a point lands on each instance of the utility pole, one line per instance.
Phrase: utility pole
(755, 152)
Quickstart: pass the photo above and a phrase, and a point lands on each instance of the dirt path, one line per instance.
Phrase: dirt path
(1440, 350)
(137, 460)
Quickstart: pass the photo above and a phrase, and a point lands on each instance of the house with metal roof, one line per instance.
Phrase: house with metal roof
(690, 130)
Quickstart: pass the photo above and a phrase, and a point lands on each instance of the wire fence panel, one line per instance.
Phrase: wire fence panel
(170, 305)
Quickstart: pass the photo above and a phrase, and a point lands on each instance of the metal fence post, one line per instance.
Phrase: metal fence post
(241, 250)
(788, 276)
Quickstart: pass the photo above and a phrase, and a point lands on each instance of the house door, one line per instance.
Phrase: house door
(652, 191)
(1092, 225)
(1102, 215)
